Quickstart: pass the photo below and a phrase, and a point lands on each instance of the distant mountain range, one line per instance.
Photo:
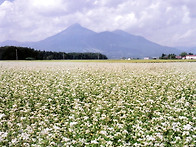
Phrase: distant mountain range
(114, 45)
(187, 49)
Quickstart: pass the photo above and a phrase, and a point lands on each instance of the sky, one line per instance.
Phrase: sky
(167, 22)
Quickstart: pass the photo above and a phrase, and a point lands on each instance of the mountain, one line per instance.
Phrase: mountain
(10, 43)
(73, 39)
(187, 49)
(115, 45)
(192, 50)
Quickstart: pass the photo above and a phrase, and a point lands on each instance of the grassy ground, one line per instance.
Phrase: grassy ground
(133, 61)
(112, 61)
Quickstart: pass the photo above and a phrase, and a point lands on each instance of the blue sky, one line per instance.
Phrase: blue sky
(168, 22)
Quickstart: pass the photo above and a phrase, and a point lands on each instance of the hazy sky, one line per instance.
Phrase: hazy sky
(167, 22)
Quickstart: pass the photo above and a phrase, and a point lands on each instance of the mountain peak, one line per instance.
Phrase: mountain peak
(75, 26)
(118, 31)
(77, 29)
(121, 32)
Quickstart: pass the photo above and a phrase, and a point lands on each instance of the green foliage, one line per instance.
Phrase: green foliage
(183, 54)
(170, 56)
(173, 56)
(163, 55)
(24, 53)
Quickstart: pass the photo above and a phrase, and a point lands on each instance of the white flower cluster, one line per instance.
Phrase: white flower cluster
(97, 104)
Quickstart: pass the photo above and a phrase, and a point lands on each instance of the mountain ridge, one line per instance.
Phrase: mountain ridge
(114, 45)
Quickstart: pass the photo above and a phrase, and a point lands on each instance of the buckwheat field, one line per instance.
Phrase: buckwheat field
(97, 104)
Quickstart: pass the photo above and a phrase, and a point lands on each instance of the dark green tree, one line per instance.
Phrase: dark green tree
(183, 54)
(171, 56)
(163, 56)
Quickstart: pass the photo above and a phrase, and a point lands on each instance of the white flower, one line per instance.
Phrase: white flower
(45, 131)
(25, 136)
(26, 144)
(56, 127)
(73, 123)
(94, 142)
(125, 132)
(22, 118)
(3, 135)
(109, 142)
(49, 99)
(150, 138)
(103, 116)
(159, 135)
(182, 117)
(71, 117)
(53, 143)
(2, 115)
(187, 127)
(103, 132)
(14, 141)
(189, 139)
(175, 126)
(66, 139)
(178, 138)
(111, 129)
(86, 117)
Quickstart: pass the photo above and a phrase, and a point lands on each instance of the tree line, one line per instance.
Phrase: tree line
(25, 53)
(173, 56)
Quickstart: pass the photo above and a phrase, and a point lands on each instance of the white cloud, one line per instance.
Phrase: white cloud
(50, 8)
(169, 22)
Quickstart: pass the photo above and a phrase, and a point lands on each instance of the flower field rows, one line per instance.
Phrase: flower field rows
(97, 104)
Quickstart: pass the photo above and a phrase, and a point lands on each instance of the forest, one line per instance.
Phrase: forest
(25, 53)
